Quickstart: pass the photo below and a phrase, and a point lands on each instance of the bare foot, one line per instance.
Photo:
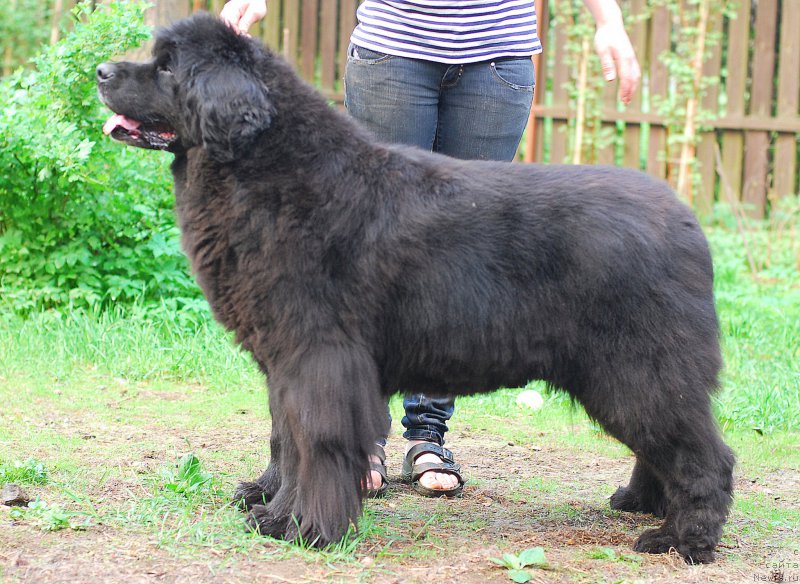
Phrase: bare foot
(373, 480)
(438, 481)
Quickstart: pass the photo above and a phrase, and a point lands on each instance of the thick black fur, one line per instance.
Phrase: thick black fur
(352, 270)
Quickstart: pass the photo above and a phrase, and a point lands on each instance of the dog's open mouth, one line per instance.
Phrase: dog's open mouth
(135, 133)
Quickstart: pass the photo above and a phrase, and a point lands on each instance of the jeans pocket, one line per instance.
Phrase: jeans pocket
(515, 73)
(356, 54)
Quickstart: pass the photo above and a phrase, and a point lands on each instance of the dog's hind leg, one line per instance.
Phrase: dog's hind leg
(328, 413)
(667, 422)
(644, 493)
(696, 469)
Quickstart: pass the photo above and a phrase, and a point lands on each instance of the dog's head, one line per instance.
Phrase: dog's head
(200, 89)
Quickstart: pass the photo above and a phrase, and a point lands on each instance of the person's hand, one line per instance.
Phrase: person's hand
(241, 14)
(618, 59)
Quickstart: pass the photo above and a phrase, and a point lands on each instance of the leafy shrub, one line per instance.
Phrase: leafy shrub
(84, 221)
(21, 29)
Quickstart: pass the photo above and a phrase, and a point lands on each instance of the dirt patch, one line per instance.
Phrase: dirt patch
(518, 496)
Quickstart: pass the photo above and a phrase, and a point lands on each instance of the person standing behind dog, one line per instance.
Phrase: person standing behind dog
(455, 77)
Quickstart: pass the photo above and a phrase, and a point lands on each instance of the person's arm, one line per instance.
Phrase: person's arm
(614, 47)
(241, 14)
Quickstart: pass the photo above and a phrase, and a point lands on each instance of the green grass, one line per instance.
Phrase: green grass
(26, 472)
(760, 325)
(138, 344)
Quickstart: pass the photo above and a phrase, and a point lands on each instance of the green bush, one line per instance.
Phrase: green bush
(21, 29)
(84, 221)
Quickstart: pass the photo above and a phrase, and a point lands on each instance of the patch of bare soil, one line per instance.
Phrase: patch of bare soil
(517, 497)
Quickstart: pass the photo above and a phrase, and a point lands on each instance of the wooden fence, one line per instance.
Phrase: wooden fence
(749, 147)
(751, 142)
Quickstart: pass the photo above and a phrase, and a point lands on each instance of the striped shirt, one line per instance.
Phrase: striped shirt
(448, 31)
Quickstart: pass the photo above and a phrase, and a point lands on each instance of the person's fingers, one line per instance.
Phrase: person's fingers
(253, 14)
(231, 13)
(628, 78)
(240, 15)
(603, 48)
(618, 60)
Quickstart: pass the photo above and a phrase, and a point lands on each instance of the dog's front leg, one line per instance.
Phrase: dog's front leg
(263, 489)
(328, 412)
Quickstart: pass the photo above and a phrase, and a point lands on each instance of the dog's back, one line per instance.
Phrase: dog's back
(519, 272)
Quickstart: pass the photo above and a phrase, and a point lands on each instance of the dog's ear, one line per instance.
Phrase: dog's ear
(231, 108)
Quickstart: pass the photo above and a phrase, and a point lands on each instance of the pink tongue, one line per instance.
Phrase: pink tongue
(118, 120)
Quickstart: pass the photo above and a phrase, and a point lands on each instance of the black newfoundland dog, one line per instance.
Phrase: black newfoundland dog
(352, 270)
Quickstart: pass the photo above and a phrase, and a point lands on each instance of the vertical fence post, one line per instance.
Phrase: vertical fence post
(633, 130)
(659, 42)
(788, 95)
(756, 143)
(738, 58)
(708, 141)
(533, 131)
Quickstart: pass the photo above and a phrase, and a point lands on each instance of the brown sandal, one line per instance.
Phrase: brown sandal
(380, 468)
(412, 471)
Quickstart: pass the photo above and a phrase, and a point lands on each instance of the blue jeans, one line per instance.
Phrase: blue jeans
(471, 111)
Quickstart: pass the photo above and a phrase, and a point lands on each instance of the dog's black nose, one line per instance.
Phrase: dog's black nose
(105, 71)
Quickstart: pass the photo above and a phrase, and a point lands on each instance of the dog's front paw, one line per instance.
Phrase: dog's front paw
(249, 494)
(662, 540)
(656, 541)
(264, 522)
(625, 500)
(696, 556)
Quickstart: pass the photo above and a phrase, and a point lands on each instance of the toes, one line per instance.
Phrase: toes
(438, 481)
(430, 480)
(249, 494)
(373, 480)
(447, 481)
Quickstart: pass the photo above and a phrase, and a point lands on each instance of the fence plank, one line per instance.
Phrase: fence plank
(290, 32)
(271, 32)
(631, 156)
(756, 144)
(708, 140)
(327, 41)
(733, 142)
(788, 94)
(560, 95)
(533, 132)
(606, 154)
(659, 42)
(347, 22)
(309, 16)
